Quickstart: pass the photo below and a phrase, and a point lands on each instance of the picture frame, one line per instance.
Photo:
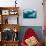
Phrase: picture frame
(12, 12)
(29, 13)
(5, 12)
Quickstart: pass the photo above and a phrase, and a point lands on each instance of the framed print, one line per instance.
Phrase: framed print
(5, 12)
(29, 13)
(13, 12)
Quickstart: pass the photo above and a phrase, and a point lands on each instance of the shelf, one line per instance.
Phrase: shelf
(10, 26)
(9, 7)
(11, 41)
(9, 20)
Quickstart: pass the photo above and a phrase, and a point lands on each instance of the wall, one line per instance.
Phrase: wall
(32, 4)
(27, 4)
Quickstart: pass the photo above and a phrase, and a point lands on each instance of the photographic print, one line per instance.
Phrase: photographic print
(29, 13)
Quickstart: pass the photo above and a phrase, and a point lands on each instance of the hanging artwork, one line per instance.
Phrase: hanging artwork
(5, 12)
(29, 13)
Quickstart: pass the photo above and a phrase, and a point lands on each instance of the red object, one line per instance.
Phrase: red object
(29, 33)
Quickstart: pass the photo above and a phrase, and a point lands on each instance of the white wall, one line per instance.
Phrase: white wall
(25, 4)
(32, 4)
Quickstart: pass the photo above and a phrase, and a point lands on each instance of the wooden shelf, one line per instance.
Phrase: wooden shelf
(9, 43)
(10, 26)
(4, 24)
(5, 8)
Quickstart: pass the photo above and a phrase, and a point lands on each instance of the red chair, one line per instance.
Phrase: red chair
(29, 33)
